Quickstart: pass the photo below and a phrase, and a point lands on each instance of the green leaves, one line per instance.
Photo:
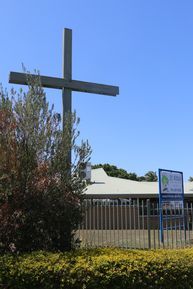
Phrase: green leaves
(39, 199)
(113, 171)
(109, 268)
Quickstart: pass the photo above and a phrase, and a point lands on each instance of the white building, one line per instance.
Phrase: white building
(103, 186)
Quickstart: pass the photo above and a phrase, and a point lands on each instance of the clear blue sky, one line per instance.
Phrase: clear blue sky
(144, 46)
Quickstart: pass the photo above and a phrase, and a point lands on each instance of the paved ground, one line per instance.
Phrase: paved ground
(135, 238)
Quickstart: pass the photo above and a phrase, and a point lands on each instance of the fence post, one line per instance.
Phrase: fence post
(185, 220)
(148, 223)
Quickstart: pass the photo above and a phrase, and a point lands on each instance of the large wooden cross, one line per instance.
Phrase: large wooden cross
(66, 83)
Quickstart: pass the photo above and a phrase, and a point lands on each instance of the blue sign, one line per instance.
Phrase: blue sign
(171, 199)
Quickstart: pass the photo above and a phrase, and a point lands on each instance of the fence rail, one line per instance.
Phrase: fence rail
(134, 223)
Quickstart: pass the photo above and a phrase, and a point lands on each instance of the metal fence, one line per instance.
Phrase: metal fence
(134, 223)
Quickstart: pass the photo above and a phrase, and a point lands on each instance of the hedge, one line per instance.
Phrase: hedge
(110, 268)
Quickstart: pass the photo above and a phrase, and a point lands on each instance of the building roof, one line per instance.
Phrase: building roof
(104, 186)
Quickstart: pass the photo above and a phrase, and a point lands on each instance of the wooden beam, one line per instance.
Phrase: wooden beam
(60, 83)
(67, 72)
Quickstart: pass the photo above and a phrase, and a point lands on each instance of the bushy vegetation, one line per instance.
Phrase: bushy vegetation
(40, 189)
(113, 171)
(99, 268)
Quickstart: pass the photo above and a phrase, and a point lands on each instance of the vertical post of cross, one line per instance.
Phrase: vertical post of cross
(67, 70)
(67, 74)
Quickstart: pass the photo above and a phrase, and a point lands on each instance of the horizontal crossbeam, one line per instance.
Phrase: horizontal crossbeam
(60, 83)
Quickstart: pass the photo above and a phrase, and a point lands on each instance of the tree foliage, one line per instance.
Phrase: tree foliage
(151, 176)
(40, 190)
(113, 171)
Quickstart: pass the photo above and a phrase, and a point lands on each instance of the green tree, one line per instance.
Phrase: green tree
(113, 171)
(141, 178)
(39, 200)
(151, 176)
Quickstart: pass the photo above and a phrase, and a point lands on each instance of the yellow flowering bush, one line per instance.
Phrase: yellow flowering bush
(104, 268)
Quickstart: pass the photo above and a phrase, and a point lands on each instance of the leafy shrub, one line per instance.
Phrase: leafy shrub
(39, 200)
(99, 268)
